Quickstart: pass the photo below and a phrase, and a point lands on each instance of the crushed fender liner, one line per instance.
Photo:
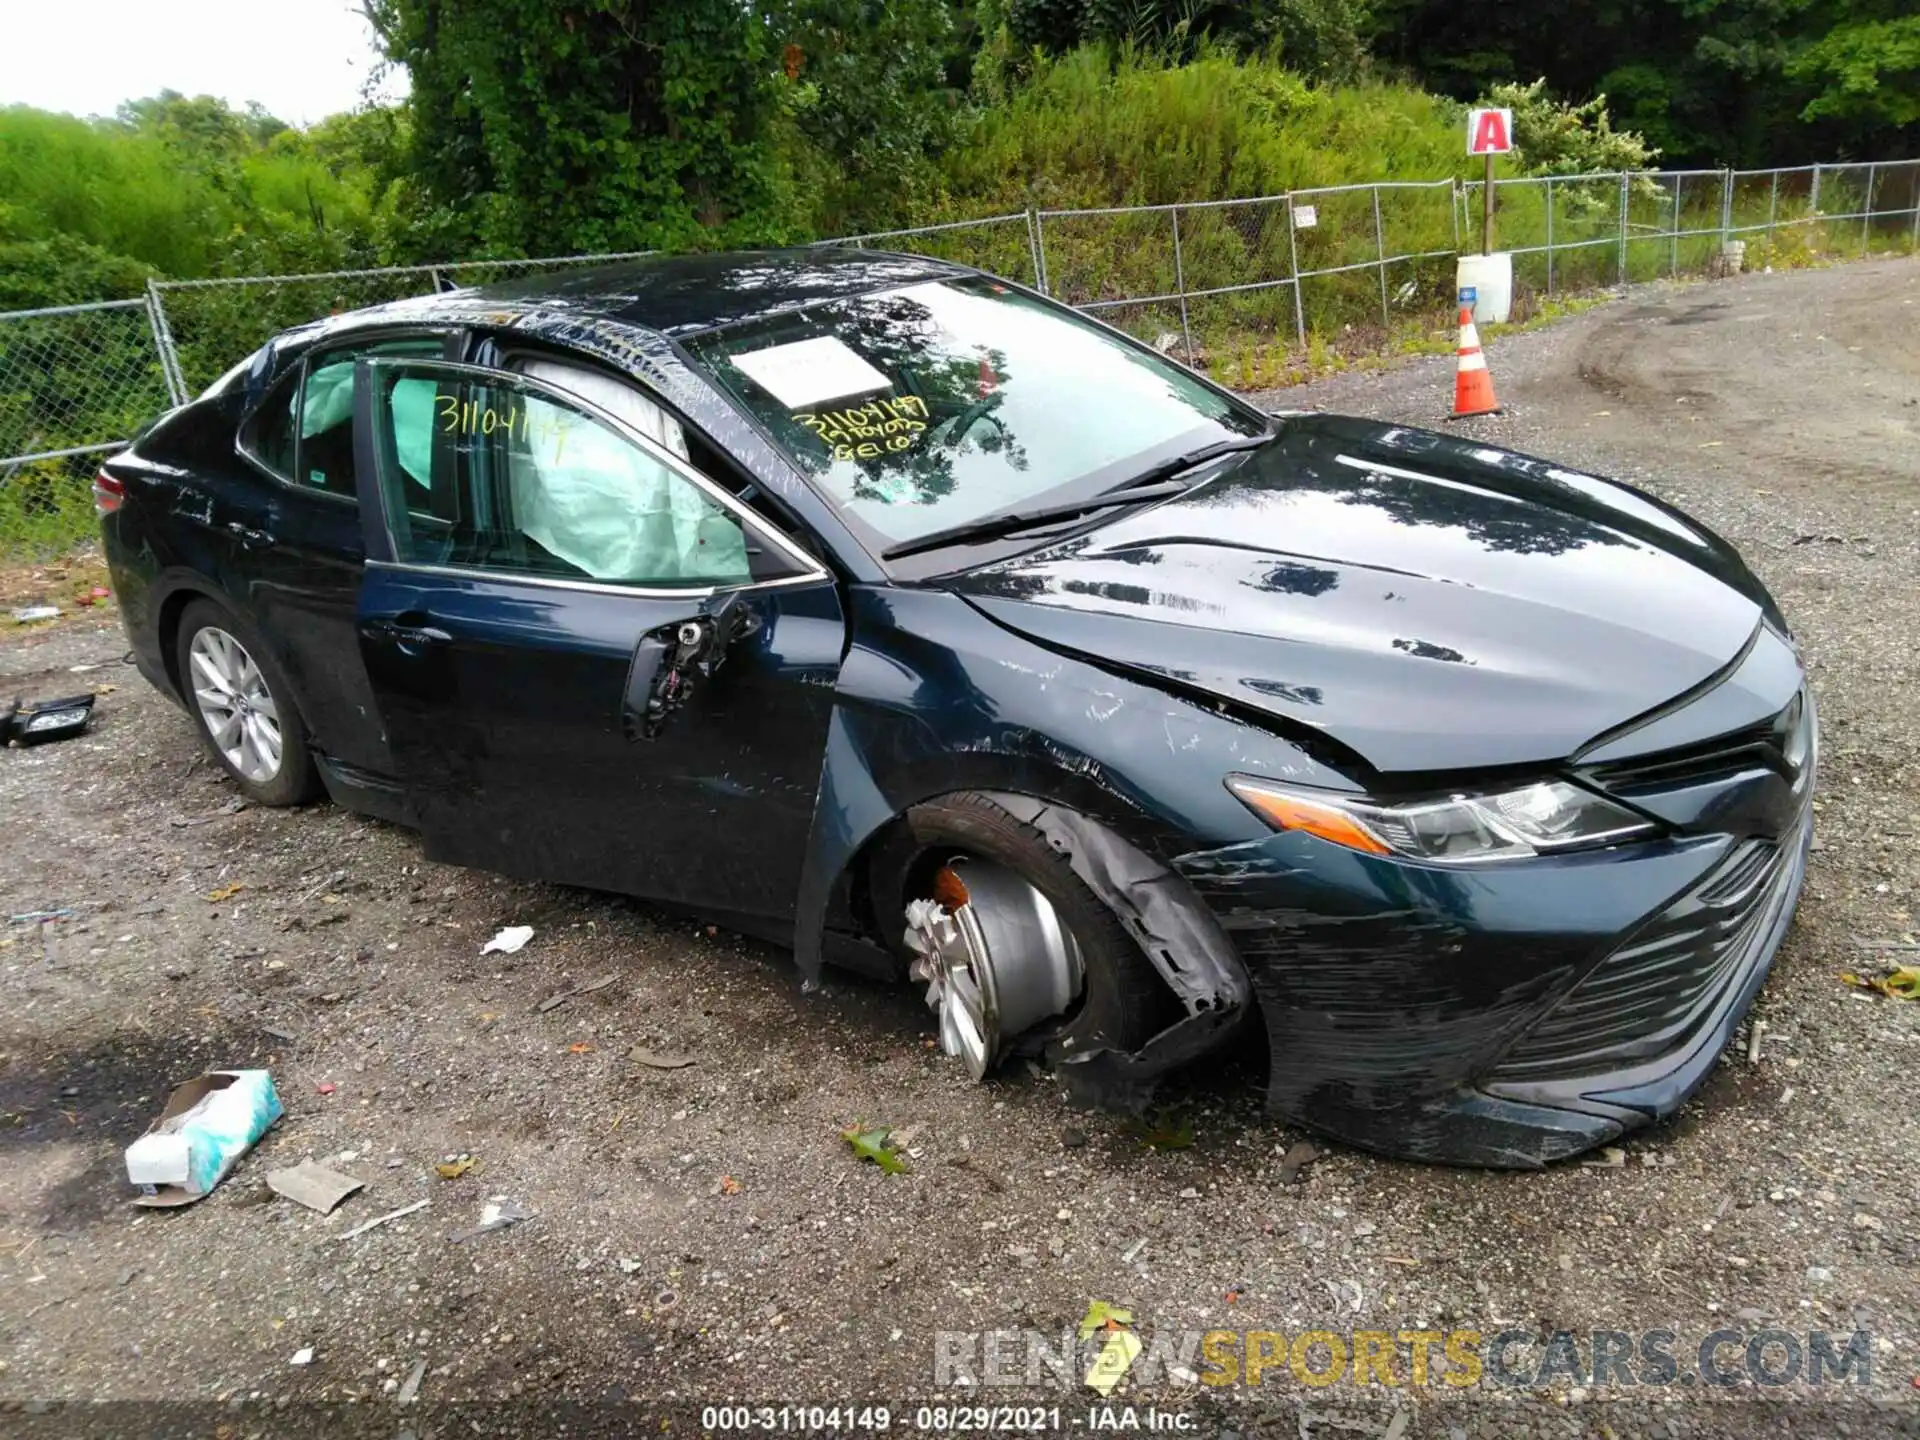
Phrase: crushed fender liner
(1184, 942)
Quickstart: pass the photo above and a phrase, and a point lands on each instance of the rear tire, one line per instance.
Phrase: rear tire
(1123, 1002)
(243, 706)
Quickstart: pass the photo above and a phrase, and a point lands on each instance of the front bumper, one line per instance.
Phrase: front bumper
(1503, 1015)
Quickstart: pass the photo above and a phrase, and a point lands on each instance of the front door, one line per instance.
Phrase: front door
(540, 569)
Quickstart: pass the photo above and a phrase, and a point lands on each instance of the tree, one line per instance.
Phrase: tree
(553, 128)
(1867, 71)
(872, 90)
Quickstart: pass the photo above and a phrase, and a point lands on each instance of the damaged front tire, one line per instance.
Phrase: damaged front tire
(1018, 954)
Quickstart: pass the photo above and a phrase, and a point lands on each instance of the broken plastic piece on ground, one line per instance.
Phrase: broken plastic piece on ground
(302, 1356)
(38, 721)
(509, 941)
(454, 1166)
(207, 1125)
(27, 614)
(378, 1220)
(37, 917)
(496, 1214)
(313, 1185)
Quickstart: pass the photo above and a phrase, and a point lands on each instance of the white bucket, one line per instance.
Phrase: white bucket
(1490, 278)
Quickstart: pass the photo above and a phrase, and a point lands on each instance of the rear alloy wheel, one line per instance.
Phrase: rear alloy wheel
(1018, 955)
(238, 710)
(241, 704)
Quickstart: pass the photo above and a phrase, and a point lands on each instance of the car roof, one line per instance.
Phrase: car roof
(684, 294)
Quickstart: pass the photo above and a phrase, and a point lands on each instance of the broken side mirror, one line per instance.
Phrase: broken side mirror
(673, 660)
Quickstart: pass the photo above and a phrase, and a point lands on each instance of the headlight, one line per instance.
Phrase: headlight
(1537, 819)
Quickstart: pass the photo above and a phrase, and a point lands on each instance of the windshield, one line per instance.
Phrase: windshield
(929, 406)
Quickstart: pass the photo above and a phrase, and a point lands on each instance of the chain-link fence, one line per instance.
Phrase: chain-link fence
(1241, 288)
(75, 382)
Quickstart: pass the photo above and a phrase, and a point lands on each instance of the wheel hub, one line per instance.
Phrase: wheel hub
(995, 957)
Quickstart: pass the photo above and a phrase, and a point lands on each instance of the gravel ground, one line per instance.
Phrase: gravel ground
(702, 1234)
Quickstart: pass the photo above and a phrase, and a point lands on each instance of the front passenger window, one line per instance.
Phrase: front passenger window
(499, 475)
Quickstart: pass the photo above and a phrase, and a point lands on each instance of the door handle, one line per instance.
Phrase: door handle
(249, 538)
(403, 636)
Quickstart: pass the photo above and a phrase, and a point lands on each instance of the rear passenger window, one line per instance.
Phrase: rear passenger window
(500, 475)
(325, 458)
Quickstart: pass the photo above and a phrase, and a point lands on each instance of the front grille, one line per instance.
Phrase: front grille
(1652, 994)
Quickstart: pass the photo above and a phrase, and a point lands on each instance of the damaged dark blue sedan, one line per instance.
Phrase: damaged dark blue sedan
(892, 611)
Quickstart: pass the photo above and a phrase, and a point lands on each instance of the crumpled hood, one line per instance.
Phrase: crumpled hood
(1431, 603)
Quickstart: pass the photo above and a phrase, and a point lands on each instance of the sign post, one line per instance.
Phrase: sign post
(1489, 133)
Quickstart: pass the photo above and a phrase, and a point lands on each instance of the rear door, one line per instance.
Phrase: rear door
(299, 558)
(536, 567)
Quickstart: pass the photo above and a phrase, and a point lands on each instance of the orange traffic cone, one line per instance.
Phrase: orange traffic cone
(1472, 382)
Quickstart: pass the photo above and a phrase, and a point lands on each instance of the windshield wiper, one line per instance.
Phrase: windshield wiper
(1167, 469)
(1010, 522)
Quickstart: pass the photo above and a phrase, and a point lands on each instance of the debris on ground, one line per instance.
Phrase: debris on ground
(555, 1001)
(232, 807)
(1900, 983)
(659, 1060)
(1119, 1349)
(874, 1143)
(580, 1047)
(728, 1185)
(37, 721)
(496, 1214)
(206, 1126)
(379, 1220)
(36, 917)
(410, 1387)
(313, 1185)
(224, 893)
(28, 614)
(510, 941)
(1166, 1132)
(1610, 1157)
(1299, 1155)
(302, 1356)
(454, 1166)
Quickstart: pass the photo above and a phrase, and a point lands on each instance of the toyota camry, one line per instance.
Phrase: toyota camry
(894, 612)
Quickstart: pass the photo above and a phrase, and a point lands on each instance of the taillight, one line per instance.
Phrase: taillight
(108, 493)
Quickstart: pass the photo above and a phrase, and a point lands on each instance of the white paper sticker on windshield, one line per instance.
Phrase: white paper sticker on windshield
(807, 372)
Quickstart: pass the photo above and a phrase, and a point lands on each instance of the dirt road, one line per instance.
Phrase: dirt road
(702, 1234)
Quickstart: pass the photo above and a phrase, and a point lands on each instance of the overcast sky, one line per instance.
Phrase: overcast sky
(302, 59)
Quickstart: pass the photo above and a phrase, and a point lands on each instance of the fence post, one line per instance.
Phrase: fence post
(170, 370)
(1037, 244)
(1773, 205)
(1457, 203)
(1813, 195)
(1623, 228)
(1380, 254)
(1673, 239)
(1293, 268)
(1726, 208)
(1180, 286)
(1549, 236)
(1914, 243)
(1866, 218)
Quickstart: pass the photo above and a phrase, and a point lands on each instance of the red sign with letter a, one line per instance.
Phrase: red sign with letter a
(1489, 132)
